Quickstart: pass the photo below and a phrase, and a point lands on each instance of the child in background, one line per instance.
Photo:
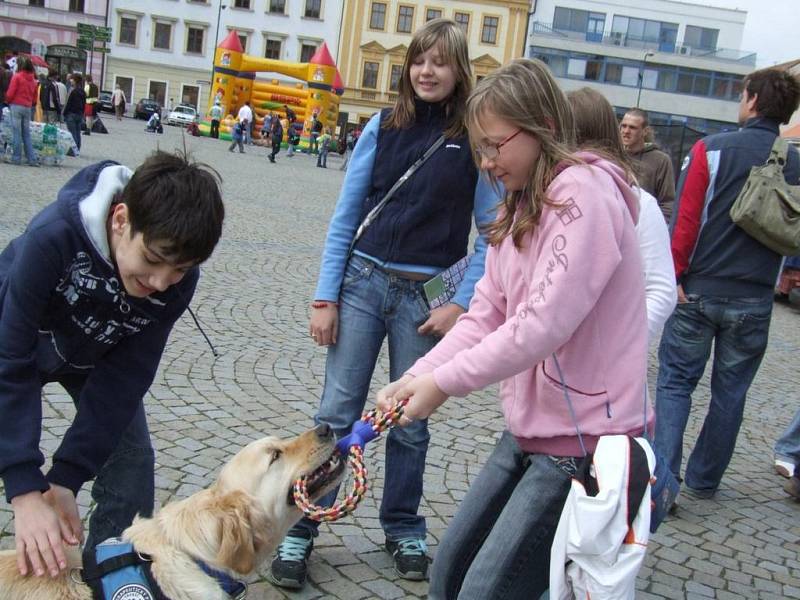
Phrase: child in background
(237, 137)
(561, 304)
(324, 148)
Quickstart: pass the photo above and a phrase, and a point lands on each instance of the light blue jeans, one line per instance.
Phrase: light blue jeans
(498, 544)
(21, 133)
(125, 485)
(739, 329)
(373, 305)
(788, 445)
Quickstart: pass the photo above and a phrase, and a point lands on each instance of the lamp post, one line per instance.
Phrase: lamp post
(641, 76)
(216, 34)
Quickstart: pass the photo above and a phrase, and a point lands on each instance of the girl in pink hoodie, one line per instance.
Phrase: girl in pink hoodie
(560, 309)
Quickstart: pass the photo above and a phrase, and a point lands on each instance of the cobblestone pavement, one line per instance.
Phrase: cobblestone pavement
(253, 301)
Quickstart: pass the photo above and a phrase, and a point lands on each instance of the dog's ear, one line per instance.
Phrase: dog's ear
(243, 531)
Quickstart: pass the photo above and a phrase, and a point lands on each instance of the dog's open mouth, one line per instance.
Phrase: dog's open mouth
(327, 472)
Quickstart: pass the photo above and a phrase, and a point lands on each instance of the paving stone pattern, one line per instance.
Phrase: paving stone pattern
(253, 302)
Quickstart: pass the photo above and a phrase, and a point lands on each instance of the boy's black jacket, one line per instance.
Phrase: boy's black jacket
(64, 311)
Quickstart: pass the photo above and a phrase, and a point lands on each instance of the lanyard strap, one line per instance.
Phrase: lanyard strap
(373, 214)
(572, 409)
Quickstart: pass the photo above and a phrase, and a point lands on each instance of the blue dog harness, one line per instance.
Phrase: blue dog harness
(118, 572)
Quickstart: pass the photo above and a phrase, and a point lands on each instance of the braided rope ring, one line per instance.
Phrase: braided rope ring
(379, 422)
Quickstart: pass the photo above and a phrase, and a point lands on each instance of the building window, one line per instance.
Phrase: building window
(377, 16)
(405, 19)
(277, 6)
(463, 20)
(570, 19)
(394, 77)
(127, 31)
(307, 50)
(489, 30)
(433, 13)
(313, 9)
(627, 31)
(241, 4)
(272, 49)
(194, 40)
(36, 3)
(700, 37)
(162, 35)
(370, 78)
(243, 40)
(76, 6)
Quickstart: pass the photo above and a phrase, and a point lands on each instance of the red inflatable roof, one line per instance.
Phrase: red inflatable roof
(322, 57)
(338, 84)
(231, 43)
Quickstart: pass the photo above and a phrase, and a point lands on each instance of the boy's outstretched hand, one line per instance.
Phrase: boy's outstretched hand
(43, 523)
(424, 397)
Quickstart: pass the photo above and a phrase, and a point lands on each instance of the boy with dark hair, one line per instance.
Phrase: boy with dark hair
(88, 296)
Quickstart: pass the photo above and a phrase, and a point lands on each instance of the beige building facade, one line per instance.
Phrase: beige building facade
(375, 35)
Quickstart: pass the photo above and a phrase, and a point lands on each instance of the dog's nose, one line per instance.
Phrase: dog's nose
(323, 431)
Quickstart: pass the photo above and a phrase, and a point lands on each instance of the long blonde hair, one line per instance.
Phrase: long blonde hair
(452, 43)
(525, 94)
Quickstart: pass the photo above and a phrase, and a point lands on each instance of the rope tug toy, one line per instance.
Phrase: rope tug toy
(370, 426)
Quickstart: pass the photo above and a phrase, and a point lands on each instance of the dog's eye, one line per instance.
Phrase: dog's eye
(274, 455)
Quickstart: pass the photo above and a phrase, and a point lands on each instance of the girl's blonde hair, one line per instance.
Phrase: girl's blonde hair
(452, 44)
(525, 94)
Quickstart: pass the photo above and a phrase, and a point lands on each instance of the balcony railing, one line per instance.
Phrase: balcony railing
(628, 41)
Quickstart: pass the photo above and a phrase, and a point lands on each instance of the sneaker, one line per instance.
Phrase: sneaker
(784, 467)
(290, 566)
(410, 558)
(792, 487)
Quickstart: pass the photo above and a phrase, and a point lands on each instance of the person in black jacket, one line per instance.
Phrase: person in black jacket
(88, 296)
(277, 137)
(74, 108)
(48, 97)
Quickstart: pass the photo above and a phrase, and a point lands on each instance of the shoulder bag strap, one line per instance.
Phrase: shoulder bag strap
(372, 215)
(778, 152)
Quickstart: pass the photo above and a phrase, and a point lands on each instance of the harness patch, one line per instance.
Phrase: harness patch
(133, 592)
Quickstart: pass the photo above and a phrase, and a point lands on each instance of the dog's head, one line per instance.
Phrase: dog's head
(252, 490)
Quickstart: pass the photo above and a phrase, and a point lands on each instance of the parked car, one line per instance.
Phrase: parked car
(182, 115)
(104, 102)
(145, 108)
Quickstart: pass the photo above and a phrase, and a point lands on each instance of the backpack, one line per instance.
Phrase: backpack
(768, 208)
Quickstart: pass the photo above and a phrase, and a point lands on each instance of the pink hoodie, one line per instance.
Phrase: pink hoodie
(575, 289)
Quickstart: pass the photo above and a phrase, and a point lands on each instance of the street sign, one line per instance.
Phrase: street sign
(83, 44)
(102, 50)
(85, 29)
(103, 34)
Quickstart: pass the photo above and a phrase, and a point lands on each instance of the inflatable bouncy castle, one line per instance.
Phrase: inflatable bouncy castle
(316, 92)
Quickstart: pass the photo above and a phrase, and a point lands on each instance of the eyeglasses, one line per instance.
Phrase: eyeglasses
(492, 151)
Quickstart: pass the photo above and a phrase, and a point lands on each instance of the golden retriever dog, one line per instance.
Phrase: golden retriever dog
(232, 526)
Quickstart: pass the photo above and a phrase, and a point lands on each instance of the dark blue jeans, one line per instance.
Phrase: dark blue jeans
(74, 126)
(373, 305)
(739, 328)
(498, 544)
(125, 485)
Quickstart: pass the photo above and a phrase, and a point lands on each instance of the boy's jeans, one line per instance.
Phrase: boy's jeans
(125, 486)
(21, 133)
(739, 328)
(374, 304)
(322, 159)
(498, 543)
(788, 445)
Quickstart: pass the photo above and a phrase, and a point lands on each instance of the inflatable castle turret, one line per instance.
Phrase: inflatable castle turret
(316, 93)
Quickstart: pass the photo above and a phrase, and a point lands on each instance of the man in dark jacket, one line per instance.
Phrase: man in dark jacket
(88, 296)
(653, 167)
(48, 96)
(725, 284)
